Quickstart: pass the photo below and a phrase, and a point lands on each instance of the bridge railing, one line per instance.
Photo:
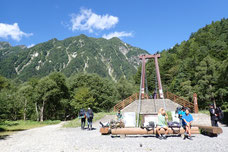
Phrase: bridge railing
(180, 100)
(126, 102)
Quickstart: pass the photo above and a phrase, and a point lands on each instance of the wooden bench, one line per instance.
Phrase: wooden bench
(210, 130)
(105, 130)
(140, 131)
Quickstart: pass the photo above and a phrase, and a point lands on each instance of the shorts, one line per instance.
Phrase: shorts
(184, 126)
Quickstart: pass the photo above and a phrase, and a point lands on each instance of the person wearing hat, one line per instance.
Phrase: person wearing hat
(214, 118)
(187, 121)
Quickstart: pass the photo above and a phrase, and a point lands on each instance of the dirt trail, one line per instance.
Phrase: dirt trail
(54, 138)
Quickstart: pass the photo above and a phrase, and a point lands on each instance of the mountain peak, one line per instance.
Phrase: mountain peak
(4, 45)
(108, 58)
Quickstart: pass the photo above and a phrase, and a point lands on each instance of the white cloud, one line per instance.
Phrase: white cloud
(117, 34)
(13, 31)
(31, 45)
(89, 21)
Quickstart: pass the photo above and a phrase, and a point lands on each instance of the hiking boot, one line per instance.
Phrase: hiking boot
(160, 137)
(185, 136)
(164, 137)
(190, 138)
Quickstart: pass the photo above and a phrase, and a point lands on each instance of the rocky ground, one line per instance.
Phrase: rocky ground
(54, 138)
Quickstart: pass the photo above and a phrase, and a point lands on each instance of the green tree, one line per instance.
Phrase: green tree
(47, 92)
(125, 88)
(83, 99)
(102, 90)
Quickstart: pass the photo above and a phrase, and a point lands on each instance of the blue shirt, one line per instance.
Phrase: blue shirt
(188, 118)
(181, 113)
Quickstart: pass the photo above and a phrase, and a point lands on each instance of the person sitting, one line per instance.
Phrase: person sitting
(186, 122)
(162, 118)
(119, 116)
(181, 113)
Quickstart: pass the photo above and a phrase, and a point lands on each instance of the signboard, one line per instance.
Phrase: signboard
(129, 119)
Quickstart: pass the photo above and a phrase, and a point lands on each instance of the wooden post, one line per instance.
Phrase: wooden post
(196, 109)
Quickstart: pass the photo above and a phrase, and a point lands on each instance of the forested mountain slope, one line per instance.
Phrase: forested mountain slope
(199, 65)
(108, 58)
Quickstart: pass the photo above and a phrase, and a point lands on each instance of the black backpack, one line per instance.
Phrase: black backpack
(90, 112)
(220, 113)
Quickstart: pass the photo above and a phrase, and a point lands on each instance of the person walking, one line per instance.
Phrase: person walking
(214, 118)
(89, 116)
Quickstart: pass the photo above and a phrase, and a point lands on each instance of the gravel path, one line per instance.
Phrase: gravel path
(56, 139)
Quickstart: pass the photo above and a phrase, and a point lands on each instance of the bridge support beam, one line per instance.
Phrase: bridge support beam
(196, 109)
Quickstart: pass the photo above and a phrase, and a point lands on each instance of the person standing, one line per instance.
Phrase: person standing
(89, 116)
(82, 116)
(214, 118)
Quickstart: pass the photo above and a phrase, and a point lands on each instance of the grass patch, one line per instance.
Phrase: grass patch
(169, 116)
(8, 127)
(77, 122)
(204, 112)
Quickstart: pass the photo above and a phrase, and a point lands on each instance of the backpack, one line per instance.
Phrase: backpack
(81, 113)
(178, 109)
(173, 125)
(220, 113)
(90, 113)
(150, 126)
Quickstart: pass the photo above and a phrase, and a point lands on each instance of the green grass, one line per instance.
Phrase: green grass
(169, 116)
(8, 127)
(204, 111)
(77, 122)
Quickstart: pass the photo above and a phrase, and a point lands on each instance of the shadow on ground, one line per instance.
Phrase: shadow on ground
(3, 137)
(225, 119)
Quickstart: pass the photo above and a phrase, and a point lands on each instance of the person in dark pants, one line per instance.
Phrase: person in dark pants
(187, 120)
(82, 116)
(89, 116)
(214, 118)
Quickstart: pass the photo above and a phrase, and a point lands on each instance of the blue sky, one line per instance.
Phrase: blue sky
(148, 24)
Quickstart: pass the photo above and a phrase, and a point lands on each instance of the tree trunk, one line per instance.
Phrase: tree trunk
(42, 113)
(37, 113)
(25, 109)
